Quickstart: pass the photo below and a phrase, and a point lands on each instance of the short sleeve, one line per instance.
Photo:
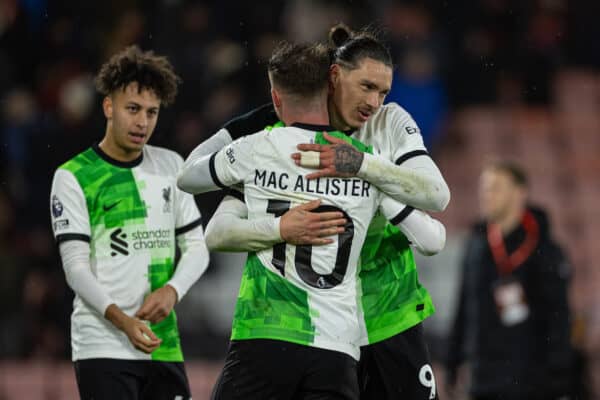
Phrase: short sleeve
(407, 141)
(233, 163)
(68, 208)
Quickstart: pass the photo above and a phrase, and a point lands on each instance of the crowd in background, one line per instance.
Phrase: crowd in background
(448, 55)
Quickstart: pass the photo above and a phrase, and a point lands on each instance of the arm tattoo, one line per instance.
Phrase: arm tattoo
(347, 159)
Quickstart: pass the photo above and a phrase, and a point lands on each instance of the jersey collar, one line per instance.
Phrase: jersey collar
(117, 163)
(319, 128)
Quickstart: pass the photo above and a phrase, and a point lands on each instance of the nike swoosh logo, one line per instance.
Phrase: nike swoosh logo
(110, 207)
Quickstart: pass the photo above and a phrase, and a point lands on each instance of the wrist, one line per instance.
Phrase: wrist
(117, 317)
(173, 291)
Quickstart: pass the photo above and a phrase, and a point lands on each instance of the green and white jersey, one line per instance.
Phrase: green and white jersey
(130, 213)
(392, 297)
(302, 294)
(393, 134)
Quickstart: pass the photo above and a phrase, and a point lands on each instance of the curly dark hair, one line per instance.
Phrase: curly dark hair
(300, 69)
(150, 71)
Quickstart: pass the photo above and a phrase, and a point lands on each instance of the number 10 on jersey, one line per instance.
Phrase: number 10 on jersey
(303, 261)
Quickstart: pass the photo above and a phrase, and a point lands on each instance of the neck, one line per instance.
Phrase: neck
(510, 220)
(113, 150)
(336, 121)
(314, 113)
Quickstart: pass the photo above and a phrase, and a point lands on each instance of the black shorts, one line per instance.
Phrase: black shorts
(108, 378)
(264, 369)
(397, 368)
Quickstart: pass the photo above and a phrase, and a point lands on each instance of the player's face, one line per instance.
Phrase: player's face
(498, 194)
(358, 93)
(131, 117)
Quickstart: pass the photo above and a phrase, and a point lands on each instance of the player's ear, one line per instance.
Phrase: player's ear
(334, 75)
(276, 98)
(107, 107)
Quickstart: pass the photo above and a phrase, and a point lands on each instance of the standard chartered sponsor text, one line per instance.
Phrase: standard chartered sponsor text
(151, 239)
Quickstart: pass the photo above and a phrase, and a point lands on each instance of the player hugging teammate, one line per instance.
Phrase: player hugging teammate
(331, 278)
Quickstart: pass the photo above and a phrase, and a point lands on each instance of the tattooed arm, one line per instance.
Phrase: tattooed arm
(339, 159)
(417, 183)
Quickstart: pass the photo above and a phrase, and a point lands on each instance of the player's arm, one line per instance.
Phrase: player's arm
(426, 234)
(195, 165)
(71, 228)
(219, 170)
(192, 264)
(230, 230)
(236, 128)
(413, 178)
(416, 181)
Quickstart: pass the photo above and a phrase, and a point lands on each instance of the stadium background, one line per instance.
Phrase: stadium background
(510, 78)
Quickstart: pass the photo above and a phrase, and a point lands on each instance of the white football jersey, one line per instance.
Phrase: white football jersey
(393, 134)
(130, 213)
(325, 275)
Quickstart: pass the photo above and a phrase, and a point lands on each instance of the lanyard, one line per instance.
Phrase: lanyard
(507, 263)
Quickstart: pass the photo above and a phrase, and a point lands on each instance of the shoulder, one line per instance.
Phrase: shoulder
(163, 152)
(64, 178)
(391, 110)
(263, 136)
(251, 122)
(391, 120)
(394, 114)
(82, 168)
(169, 158)
(82, 160)
(241, 152)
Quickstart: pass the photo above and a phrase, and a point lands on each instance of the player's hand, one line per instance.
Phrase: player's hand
(138, 333)
(141, 336)
(336, 159)
(158, 304)
(301, 226)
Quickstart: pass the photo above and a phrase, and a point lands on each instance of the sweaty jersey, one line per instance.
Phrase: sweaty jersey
(392, 298)
(302, 294)
(130, 213)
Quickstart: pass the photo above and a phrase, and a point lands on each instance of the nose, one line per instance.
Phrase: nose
(141, 120)
(373, 100)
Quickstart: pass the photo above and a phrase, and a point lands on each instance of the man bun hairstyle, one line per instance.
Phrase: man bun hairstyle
(150, 71)
(338, 35)
(349, 48)
(299, 69)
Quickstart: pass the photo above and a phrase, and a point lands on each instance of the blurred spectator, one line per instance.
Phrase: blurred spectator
(19, 113)
(512, 321)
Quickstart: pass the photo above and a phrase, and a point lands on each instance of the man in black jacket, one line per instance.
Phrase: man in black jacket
(512, 321)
